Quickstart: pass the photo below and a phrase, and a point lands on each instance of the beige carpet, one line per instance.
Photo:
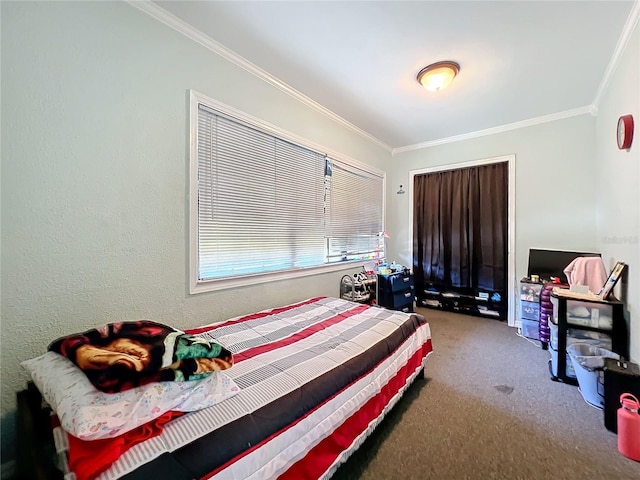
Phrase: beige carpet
(488, 410)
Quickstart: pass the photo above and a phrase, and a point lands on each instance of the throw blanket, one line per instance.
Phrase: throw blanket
(124, 355)
(588, 271)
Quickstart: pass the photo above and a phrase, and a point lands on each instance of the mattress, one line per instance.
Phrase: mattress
(315, 379)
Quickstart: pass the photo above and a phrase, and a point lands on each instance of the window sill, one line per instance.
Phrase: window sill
(228, 283)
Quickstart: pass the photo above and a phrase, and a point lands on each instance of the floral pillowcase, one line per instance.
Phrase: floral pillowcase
(89, 414)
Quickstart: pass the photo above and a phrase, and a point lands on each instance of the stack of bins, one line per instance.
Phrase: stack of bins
(530, 308)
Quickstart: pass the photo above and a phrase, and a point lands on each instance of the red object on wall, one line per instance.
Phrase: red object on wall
(624, 132)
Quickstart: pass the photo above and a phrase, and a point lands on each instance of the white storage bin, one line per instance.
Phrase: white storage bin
(575, 335)
(586, 314)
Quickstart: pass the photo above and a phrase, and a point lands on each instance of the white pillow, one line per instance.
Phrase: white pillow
(579, 311)
(89, 414)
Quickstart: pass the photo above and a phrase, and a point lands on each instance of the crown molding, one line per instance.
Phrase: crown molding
(160, 14)
(163, 16)
(492, 131)
(623, 41)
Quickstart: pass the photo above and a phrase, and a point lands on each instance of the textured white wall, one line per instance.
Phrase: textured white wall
(574, 189)
(555, 184)
(618, 172)
(95, 174)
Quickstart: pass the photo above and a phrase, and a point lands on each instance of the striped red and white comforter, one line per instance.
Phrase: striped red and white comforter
(316, 377)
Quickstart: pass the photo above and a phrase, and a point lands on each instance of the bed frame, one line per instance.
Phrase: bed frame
(36, 454)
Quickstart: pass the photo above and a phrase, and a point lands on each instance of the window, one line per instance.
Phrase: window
(353, 210)
(266, 205)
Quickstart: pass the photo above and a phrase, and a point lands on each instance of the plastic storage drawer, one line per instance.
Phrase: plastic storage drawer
(530, 310)
(397, 299)
(530, 329)
(397, 281)
(407, 307)
(530, 291)
(396, 291)
(586, 314)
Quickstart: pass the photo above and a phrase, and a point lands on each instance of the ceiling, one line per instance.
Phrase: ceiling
(520, 61)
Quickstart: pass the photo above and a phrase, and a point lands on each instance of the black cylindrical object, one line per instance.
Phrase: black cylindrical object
(619, 377)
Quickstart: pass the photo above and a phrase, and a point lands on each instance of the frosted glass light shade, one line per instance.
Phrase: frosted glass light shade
(438, 76)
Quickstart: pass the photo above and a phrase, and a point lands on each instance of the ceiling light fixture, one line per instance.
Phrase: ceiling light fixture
(438, 76)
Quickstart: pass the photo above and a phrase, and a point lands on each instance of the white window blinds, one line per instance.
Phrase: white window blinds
(266, 204)
(260, 205)
(354, 207)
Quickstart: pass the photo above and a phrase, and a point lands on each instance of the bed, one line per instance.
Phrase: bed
(315, 378)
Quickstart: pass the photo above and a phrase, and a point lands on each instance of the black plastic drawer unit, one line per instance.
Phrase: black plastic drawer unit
(396, 291)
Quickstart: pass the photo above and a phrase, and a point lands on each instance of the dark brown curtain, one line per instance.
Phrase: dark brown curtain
(460, 227)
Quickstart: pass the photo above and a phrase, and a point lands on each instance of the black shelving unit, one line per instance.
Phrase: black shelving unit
(478, 302)
(618, 331)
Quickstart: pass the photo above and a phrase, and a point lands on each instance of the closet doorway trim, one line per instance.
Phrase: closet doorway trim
(511, 230)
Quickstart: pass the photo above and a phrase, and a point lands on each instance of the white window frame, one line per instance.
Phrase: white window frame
(199, 286)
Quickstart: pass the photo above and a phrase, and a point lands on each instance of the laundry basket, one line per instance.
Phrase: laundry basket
(588, 363)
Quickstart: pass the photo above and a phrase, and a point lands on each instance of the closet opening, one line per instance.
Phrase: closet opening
(462, 237)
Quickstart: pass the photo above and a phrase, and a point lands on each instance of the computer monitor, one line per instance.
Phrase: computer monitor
(548, 263)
